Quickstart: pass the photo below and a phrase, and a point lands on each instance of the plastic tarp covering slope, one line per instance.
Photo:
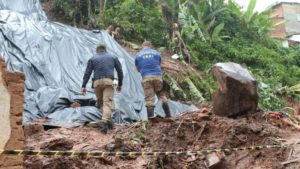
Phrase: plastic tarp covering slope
(53, 57)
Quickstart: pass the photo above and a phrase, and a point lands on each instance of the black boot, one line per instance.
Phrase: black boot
(103, 126)
(110, 124)
(166, 108)
(150, 112)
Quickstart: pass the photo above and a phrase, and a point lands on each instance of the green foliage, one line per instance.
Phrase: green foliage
(206, 84)
(269, 62)
(175, 90)
(66, 8)
(215, 36)
(255, 25)
(269, 100)
(192, 91)
(264, 58)
(198, 19)
(250, 10)
(293, 91)
(76, 12)
(138, 22)
(214, 31)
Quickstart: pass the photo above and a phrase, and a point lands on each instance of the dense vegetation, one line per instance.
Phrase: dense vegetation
(210, 31)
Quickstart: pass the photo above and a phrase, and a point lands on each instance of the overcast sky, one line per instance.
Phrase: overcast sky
(263, 4)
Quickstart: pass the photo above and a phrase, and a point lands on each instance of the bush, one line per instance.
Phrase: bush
(269, 62)
(269, 100)
(138, 22)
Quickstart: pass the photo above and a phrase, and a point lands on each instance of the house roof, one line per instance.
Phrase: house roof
(281, 3)
(295, 38)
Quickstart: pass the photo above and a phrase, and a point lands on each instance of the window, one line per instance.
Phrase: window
(298, 16)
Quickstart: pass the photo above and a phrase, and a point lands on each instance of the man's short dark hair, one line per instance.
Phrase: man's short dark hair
(101, 47)
(147, 43)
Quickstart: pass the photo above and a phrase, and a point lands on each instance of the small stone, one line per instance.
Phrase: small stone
(32, 129)
(213, 160)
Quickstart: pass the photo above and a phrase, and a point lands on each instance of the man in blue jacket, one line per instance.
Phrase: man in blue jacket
(148, 62)
(103, 65)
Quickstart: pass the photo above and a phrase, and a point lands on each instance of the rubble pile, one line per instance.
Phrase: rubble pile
(196, 130)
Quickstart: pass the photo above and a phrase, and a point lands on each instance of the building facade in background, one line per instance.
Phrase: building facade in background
(290, 31)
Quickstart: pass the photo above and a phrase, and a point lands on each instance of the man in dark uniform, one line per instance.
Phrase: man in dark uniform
(103, 65)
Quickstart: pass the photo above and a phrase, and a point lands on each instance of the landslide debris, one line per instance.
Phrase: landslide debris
(198, 130)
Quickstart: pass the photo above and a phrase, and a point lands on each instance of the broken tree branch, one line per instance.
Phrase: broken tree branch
(199, 134)
(291, 161)
(176, 132)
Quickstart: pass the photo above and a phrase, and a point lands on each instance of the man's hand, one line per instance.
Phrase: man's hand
(138, 68)
(119, 88)
(83, 91)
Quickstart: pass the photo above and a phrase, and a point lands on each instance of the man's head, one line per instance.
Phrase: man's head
(147, 44)
(110, 28)
(100, 48)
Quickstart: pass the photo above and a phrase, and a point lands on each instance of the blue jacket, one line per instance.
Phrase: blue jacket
(103, 65)
(148, 60)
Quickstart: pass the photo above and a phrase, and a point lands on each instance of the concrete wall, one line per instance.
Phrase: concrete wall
(280, 31)
(4, 114)
(290, 14)
(12, 100)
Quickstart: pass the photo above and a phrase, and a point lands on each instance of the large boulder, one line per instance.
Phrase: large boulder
(237, 93)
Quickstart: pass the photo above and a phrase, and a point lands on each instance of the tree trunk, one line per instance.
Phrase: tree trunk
(93, 6)
(89, 12)
(104, 6)
(194, 93)
(100, 6)
(176, 90)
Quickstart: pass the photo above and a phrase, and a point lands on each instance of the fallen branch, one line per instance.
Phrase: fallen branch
(279, 117)
(289, 122)
(277, 140)
(200, 134)
(291, 161)
(170, 68)
(176, 132)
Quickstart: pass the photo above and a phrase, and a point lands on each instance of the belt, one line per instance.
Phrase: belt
(103, 77)
(152, 76)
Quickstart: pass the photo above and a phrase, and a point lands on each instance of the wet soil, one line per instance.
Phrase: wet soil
(189, 131)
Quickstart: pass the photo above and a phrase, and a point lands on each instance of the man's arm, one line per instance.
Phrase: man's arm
(158, 55)
(87, 74)
(138, 68)
(136, 64)
(120, 73)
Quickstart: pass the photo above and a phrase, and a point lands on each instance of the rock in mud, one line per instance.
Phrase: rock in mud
(32, 129)
(59, 144)
(214, 160)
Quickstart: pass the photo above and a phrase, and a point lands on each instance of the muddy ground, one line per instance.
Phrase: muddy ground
(189, 131)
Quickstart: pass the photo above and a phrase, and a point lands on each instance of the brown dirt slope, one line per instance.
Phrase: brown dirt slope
(189, 131)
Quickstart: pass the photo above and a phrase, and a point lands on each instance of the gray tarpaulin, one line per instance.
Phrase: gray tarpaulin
(53, 57)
